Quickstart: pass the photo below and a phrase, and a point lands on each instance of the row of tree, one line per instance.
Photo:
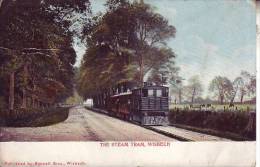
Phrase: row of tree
(36, 51)
(220, 89)
(126, 43)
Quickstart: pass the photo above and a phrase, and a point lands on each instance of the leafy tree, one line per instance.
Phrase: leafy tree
(126, 43)
(36, 46)
(238, 87)
(177, 87)
(164, 70)
(249, 86)
(252, 86)
(194, 88)
(221, 87)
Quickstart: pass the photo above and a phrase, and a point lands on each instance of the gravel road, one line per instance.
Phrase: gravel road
(83, 125)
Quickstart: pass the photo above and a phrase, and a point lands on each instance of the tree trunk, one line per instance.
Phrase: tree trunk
(234, 96)
(180, 96)
(141, 70)
(24, 100)
(33, 101)
(192, 96)
(232, 100)
(33, 96)
(1, 3)
(221, 99)
(241, 98)
(11, 92)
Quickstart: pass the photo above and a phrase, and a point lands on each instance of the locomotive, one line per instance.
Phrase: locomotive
(147, 104)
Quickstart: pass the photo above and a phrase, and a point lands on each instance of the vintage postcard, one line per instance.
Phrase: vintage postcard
(128, 83)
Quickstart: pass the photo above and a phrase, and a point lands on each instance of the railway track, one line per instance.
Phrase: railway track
(175, 132)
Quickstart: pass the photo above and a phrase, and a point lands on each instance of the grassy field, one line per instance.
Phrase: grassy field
(218, 107)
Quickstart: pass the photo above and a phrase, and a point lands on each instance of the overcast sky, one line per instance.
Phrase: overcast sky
(213, 37)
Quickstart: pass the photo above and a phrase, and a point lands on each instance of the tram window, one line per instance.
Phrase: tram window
(165, 92)
(150, 92)
(159, 93)
(144, 92)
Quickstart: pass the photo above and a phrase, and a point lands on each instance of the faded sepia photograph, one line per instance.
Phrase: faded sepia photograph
(157, 71)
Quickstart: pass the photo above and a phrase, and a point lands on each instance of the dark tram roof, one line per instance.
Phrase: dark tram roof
(147, 85)
(135, 85)
(125, 88)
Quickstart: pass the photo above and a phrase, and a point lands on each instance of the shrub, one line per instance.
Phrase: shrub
(38, 117)
(240, 123)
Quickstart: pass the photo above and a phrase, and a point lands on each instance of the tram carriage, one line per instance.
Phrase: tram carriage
(147, 105)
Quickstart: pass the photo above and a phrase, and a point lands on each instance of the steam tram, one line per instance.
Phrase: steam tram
(147, 105)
